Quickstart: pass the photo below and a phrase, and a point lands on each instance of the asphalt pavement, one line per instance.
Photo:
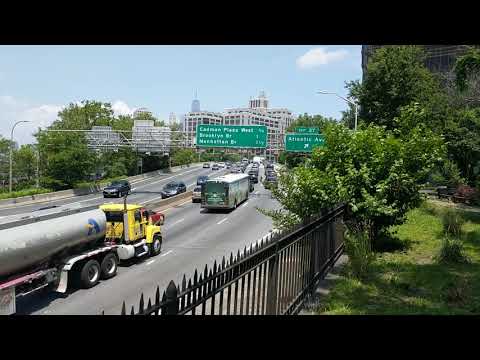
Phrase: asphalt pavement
(192, 238)
(143, 192)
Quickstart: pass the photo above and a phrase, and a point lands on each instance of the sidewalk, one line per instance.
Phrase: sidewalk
(323, 287)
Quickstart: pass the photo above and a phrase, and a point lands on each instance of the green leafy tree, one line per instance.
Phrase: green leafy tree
(25, 160)
(396, 77)
(375, 172)
(183, 157)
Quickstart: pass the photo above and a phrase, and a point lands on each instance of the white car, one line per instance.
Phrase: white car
(221, 164)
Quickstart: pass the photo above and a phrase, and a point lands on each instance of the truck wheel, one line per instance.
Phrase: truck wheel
(90, 274)
(109, 266)
(156, 246)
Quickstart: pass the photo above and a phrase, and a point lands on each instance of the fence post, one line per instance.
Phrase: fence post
(171, 308)
(272, 288)
(316, 236)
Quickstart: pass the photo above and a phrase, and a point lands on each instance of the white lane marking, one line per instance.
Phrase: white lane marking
(170, 177)
(191, 184)
(168, 252)
(255, 193)
(133, 189)
(245, 204)
(221, 221)
(177, 222)
(155, 198)
(150, 262)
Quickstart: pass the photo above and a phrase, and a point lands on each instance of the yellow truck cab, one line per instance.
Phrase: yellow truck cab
(135, 229)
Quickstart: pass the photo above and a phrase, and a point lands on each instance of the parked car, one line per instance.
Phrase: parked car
(206, 165)
(117, 188)
(197, 194)
(173, 188)
(202, 179)
(215, 167)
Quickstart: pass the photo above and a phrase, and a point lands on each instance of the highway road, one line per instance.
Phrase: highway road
(143, 192)
(192, 238)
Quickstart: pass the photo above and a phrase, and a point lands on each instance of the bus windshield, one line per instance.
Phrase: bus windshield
(213, 187)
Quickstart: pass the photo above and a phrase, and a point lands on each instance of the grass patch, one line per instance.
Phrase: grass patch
(25, 192)
(413, 281)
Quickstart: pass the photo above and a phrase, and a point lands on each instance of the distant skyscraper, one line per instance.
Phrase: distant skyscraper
(172, 118)
(195, 104)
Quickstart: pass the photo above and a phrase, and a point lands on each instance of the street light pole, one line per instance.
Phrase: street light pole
(11, 153)
(347, 100)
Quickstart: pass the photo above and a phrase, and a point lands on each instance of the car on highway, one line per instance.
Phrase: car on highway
(202, 179)
(253, 176)
(255, 165)
(221, 165)
(215, 167)
(228, 164)
(269, 166)
(235, 170)
(197, 194)
(173, 188)
(117, 188)
(206, 165)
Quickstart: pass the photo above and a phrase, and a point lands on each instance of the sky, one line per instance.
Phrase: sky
(37, 81)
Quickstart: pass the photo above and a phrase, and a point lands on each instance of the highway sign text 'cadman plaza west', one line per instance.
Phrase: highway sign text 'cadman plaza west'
(303, 142)
(232, 136)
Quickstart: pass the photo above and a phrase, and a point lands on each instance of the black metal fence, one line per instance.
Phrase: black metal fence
(272, 277)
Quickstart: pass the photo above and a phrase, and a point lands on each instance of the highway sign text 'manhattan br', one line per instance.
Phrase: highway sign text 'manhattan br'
(232, 136)
(303, 142)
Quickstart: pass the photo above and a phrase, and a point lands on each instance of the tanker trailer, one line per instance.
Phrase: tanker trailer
(41, 249)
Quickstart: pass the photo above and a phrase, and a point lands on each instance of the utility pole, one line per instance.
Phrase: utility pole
(38, 166)
(11, 153)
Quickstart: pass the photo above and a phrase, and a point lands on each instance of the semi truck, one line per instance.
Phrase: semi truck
(52, 249)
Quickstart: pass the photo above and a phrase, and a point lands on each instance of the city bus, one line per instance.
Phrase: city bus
(225, 192)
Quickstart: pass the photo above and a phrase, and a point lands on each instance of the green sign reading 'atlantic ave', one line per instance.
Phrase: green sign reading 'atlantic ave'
(308, 130)
(232, 136)
(303, 142)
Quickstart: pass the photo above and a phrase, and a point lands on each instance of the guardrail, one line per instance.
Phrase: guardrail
(64, 194)
(271, 277)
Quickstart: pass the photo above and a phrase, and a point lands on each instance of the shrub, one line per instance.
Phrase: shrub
(452, 222)
(452, 252)
(25, 192)
(359, 250)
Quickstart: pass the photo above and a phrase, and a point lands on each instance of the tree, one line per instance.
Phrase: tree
(467, 70)
(375, 172)
(183, 157)
(348, 116)
(396, 77)
(25, 160)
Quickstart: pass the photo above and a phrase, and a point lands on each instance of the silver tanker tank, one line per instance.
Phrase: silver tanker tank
(30, 240)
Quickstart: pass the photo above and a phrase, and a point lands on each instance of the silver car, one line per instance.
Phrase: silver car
(197, 194)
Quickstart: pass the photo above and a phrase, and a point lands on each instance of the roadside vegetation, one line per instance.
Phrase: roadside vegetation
(435, 270)
(415, 130)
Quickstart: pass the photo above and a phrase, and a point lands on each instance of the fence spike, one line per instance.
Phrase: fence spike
(205, 272)
(195, 278)
(223, 263)
(157, 296)
(231, 258)
(184, 282)
(210, 274)
(140, 308)
(132, 311)
(189, 284)
(172, 290)
(238, 255)
(149, 306)
(164, 296)
(103, 312)
(124, 312)
(215, 267)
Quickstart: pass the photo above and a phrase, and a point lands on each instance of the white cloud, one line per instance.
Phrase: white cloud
(320, 56)
(121, 108)
(13, 110)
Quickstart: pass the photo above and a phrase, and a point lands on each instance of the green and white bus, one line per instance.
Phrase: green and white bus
(225, 192)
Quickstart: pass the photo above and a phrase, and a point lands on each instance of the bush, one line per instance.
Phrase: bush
(26, 192)
(452, 222)
(452, 252)
(359, 250)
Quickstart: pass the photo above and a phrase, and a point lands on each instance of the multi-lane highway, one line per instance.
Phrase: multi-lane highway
(192, 238)
(143, 192)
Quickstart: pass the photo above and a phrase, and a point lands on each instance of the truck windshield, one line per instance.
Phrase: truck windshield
(114, 216)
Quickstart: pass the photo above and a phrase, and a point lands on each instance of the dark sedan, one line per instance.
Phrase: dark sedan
(117, 188)
(173, 188)
(202, 179)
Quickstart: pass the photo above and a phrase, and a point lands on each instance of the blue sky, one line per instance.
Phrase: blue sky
(36, 81)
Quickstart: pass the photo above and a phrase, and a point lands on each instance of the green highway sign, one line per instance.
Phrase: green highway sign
(308, 130)
(232, 136)
(303, 142)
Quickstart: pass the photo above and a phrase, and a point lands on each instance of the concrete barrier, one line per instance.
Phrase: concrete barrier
(63, 194)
